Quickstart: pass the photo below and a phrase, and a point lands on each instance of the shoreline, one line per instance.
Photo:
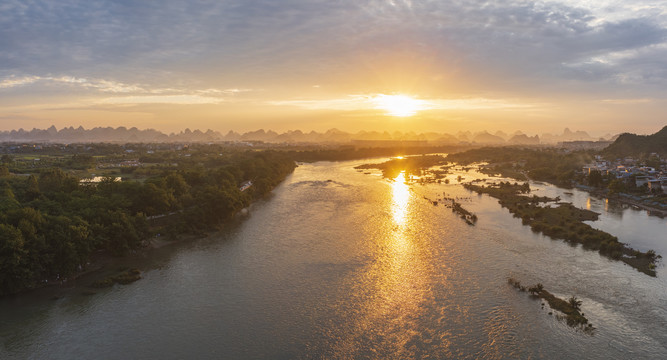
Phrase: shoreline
(565, 222)
(652, 211)
(102, 263)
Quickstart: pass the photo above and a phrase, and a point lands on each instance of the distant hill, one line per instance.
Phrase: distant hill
(134, 135)
(634, 145)
(567, 135)
(486, 138)
(523, 139)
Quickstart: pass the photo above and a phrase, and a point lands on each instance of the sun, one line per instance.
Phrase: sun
(399, 105)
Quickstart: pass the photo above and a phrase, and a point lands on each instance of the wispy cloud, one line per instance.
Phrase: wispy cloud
(97, 84)
(627, 101)
(141, 93)
(20, 81)
(162, 99)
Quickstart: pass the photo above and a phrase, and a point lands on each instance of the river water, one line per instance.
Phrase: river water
(342, 264)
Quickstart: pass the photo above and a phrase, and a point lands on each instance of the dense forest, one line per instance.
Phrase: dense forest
(51, 223)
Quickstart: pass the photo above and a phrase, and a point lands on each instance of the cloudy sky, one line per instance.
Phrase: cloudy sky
(537, 66)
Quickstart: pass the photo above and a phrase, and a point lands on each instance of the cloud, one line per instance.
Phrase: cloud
(263, 39)
(97, 84)
(627, 101)
(14, 82)
(143, 92)
(162, 99)
(212, 51)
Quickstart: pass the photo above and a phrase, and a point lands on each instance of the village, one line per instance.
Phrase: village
(637, 182)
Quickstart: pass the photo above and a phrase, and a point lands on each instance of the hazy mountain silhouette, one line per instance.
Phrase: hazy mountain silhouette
(523, 139)
(125, 135)
(486, 138)
(567, 135)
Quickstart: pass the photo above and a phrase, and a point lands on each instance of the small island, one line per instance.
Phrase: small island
(571, 308)
(411, 165)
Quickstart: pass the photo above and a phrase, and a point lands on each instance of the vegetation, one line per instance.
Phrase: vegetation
(550, 165)
(124, 277)
(638, 145)
(50, 222)
(311, 153)
(570, 308)
(412, 165)
(466, 215)
(456, 207)
(565, 222)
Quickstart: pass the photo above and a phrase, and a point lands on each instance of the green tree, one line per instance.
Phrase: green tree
(536, 289)
(595, 178)
(155, 200)
(56, 180)
(616, 186)
(574, 303)
(68, 242)
(7, 199)
(14, 274)
(6, 159)
(32, 191)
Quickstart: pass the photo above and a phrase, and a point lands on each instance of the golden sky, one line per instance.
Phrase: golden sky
(444, 66)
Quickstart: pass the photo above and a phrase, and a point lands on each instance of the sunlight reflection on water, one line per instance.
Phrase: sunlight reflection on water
(361, 268)
(400, 198)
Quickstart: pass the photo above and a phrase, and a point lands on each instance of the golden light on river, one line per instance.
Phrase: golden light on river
(400, 198)
(398, 279)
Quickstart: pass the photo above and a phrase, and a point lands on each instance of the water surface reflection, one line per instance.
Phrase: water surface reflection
(361, 267)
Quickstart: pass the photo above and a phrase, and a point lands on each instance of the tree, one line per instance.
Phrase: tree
(56, 180)
(155, 200)
(69, 243)
(176, 183)
(7, 199)
(32, 190)
(14, 273)
(107, 185)
(595, 178)
(536, 289)
(574, 303)
(616, 186)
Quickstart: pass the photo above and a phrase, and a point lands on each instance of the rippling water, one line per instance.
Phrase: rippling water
(340, 264)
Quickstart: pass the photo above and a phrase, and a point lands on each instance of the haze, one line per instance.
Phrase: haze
(598, 66)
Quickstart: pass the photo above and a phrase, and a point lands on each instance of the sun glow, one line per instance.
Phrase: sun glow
(400, 197)
(399, 105)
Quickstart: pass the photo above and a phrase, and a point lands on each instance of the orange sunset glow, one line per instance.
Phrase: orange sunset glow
(370, 65)
(333, 179)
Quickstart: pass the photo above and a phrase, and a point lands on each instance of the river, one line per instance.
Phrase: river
(337, 263)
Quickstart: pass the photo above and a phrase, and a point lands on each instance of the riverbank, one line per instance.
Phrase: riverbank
(625, 199)
(105, 269)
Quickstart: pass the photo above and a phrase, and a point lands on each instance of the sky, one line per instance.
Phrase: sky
(535, 66)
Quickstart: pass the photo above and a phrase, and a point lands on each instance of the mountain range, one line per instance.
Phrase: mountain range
(125, 135)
